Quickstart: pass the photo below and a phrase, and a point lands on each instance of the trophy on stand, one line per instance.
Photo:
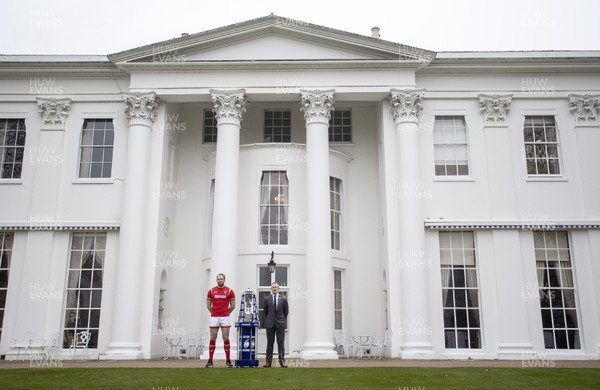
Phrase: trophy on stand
(247, 329)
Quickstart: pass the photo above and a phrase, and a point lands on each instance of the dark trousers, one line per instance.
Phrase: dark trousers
(271, 334)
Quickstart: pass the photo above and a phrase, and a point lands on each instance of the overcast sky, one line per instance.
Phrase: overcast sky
(111, 26)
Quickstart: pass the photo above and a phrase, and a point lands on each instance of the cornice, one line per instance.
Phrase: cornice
(476, 224)
(57, 66)
(512, 65)
(268, 65)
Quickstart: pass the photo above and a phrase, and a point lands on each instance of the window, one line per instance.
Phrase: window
(12, 147)
(337, 296)
(210, 127)
(335, 202)
(450, 146)
(6, 243)
(541, 145)
(340, 126)
(97, 138)
(460, 293)
(273, 208)
(84, 289)
(265, 278)
(278, 126)
(557, 292)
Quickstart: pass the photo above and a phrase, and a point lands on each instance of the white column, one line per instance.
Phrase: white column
(229, 107)
(125, 336)
(317, 107)
(414, 327)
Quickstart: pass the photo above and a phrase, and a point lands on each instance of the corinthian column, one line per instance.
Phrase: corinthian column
(229, 107)
(317, 107)
(413, 327)
(125, 336)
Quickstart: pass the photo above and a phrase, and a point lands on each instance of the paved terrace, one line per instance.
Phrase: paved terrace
(296, 362)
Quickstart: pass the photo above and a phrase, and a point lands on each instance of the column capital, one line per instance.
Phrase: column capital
(140, 107)
(54, 112)
(406, 104)
(317, 105)
(586, 108)
(229, 105)
(494, 108)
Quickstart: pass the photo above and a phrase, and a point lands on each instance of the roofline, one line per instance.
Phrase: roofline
(263, 24)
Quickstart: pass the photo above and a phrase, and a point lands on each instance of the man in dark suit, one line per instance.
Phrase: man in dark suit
(276, 310)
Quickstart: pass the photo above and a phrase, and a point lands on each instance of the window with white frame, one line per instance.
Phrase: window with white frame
(335, 204)
(84, 286)
(210, 127)
(273, 208)
(265, 278)
(340, 126)
(278, 126)
(460, 292)
(337, 299)
(541, 145)
(12, 147)
(556, 288)
(96, 155)
(6, 244)
(450, 146)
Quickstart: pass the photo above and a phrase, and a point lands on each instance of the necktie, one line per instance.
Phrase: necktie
(275, 301)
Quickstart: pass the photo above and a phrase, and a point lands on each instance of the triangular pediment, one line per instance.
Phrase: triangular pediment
(272, 38)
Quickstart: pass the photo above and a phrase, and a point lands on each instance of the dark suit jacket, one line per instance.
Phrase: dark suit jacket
(276, 318)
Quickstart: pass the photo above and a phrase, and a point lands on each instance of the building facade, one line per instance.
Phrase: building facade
(450, 199)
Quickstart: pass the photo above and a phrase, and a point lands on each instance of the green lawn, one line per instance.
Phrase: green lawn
(300, 378)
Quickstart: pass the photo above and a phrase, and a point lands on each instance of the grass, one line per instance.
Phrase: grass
(300, 378)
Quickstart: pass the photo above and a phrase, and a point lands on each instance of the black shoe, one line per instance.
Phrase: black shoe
(282, 364)
(209, 364)
(267, 365)
(228, 364)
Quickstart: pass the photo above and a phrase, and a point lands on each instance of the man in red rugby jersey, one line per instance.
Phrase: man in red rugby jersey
(220, 301)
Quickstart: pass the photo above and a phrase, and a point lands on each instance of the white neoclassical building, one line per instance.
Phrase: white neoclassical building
(451, 199)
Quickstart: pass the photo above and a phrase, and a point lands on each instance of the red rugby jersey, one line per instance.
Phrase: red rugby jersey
(220, 300)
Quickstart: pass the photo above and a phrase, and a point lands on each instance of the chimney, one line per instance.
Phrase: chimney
(375, 32)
